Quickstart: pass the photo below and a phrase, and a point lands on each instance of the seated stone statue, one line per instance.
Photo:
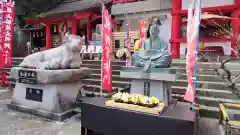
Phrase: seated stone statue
(154, 52)
(66, 56)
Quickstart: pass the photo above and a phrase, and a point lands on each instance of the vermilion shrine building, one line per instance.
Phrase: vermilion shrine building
(223, 7)
(75, 17)
(83, 15)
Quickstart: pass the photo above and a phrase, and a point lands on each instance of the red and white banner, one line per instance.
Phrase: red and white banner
(106, 51)
(192, 31)
(1, 28)
(143, 33)
(7, 27)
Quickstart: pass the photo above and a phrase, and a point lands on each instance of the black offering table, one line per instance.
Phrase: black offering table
(97, 119)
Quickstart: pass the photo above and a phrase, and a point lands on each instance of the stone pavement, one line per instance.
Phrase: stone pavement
(16, 123)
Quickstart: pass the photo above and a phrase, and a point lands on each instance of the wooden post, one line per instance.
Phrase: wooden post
(48, 36)
(176, 28)
(74, 27)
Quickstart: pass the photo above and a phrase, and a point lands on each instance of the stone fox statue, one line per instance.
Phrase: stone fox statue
(66, 56)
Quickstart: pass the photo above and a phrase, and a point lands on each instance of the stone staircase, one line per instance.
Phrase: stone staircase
(210, 88)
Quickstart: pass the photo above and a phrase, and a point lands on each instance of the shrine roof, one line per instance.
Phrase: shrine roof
(74, 6)
(141, 6)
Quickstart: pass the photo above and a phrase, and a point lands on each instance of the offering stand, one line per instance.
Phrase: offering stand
(110, 121)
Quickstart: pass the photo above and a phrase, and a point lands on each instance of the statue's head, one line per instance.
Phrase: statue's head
(154, 31)
(73, 42)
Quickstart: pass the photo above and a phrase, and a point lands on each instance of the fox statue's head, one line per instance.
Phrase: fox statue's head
(73, 43)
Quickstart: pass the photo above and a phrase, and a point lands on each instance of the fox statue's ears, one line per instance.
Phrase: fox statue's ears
(65, 39)
(68, 37)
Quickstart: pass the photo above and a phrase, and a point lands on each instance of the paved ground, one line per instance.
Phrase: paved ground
(15, 123)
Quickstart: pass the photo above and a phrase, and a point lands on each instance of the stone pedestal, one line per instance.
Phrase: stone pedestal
(53, 98)
(155, 82)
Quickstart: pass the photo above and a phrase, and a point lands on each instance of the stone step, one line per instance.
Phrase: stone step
(210, 72)
(114, 77)
(95, 69)
(201, 77)
(18, 58)
(207, 65)
(208, 101)
(203, 74)
(98, 62)
(213, 112)
(117, 82)
(205, 84)
(177, 63)
(205, 77)
(98, 71)
(183, 83)
(206, 92)
(204, 81)
(122, 82)
(94, 62)
(181, 64)
(95, 66)
(122, 63)
(98, 82)
(181, 70)
(201, 92)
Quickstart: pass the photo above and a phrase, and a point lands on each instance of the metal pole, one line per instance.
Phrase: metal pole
(101, 90)
(197, 4)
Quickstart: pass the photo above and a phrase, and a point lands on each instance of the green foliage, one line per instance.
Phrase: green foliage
(25, 9)
(24, 6)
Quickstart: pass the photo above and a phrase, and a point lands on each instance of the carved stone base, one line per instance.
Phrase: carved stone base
(159, 89)
(53, 101)
(155, 82)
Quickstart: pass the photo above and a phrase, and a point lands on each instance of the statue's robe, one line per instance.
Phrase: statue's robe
(154, 53)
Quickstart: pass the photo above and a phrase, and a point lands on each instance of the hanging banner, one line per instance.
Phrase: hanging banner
(1, 25)
(143, 33)
(192, 37)
(106, 51)
(7, 32)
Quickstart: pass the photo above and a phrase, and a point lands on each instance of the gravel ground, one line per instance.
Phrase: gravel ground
(16, 123)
